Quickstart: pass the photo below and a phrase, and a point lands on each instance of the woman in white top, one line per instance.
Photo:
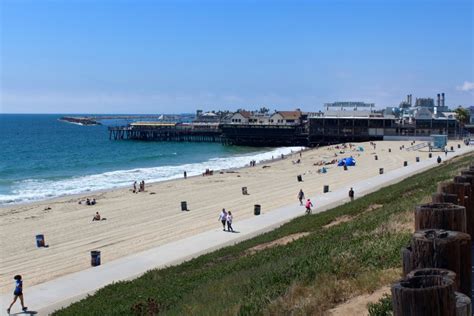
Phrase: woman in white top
(223, 218)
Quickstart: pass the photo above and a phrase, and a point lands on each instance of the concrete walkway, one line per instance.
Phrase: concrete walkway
(49, 296)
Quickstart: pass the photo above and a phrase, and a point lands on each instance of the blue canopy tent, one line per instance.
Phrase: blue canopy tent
(348, 161)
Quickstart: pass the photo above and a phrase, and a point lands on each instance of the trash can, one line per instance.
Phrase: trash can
(345, 167)
(184, 206)
(452, 148)
(380, 170)
(430, 155)
(376, 157)
(40, 240)
(417, 159)
(326, 189)
(256, 209)
(244, 190)
(405, 163)
(438, 159)
(459, 145)
(95, 258)
(389, 150)
(299, 178)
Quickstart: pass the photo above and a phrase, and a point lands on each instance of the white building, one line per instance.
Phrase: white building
(286, 118)
(241, 117)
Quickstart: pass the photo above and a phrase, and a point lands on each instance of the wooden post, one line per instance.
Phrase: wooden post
(424, 295)
(468, 200)
(444, 198)
(436, 248)
(463, 305)
(433, 272)
(407, 260)
(463, 191)
(441, 216)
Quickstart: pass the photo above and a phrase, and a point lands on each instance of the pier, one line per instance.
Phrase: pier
(174, 132)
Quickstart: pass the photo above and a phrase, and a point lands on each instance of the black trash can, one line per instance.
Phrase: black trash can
(405, 163)
(452, 148)
(244, 190)
(326, 189)
(376, 157)
(459, 145)
(430, 155)
(184, 206)
(40, 240)
(389, 150)
(95, 258)
(417, 159)
(256, 209)
(299, 178)
(345, 167)
(380, 170)
(438, 159)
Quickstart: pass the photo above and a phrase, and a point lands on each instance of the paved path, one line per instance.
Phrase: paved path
(52, 295)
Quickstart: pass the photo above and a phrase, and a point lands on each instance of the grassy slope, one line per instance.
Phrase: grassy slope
(306, 276)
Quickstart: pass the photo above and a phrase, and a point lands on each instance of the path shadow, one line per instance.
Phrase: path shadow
(25, 313)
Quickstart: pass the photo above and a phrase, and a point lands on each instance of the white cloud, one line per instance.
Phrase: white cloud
(467, 86)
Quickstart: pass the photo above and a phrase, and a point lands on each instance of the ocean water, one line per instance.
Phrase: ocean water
(42, 158)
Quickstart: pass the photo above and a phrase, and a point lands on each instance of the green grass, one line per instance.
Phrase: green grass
(355, 254)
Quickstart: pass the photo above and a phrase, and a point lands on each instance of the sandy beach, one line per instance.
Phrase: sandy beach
(137, 222)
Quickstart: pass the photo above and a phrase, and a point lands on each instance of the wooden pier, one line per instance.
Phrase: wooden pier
(173, 132)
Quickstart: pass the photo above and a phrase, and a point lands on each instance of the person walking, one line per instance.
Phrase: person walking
(351, 194)
(223, 218)
(185, 174)
(18, 293)
(301, 196)
(308, 206)
(229, 222)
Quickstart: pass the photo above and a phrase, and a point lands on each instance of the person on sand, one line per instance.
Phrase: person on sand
(97, 217)
(18, 293)
(134, 186)
(351, 194)
(223, 218)
(229, 222)
(308, 206)
(301, 196)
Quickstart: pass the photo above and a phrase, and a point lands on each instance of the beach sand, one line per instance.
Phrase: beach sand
(137, 222)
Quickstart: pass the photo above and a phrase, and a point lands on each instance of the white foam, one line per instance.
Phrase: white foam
(35, 190)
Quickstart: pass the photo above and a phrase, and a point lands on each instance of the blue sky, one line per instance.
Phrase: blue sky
(176, 56)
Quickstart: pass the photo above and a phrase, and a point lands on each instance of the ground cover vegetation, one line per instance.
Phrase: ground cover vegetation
(336, 259)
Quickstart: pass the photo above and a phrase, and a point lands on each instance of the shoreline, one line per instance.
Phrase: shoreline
(85, 194)
(138, 222)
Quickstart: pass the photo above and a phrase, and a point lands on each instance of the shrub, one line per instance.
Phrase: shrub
(382, 308)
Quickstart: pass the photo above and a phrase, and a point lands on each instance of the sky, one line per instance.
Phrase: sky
(136, 56)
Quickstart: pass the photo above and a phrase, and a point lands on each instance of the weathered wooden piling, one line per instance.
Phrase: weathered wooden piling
(468, 200)
(441, 216)
(435, 248)
(424, 295)
(465, 198)
(463, 305)
(444, 198)
(433, 272)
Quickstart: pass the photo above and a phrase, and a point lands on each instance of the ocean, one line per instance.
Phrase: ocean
(43, 158)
